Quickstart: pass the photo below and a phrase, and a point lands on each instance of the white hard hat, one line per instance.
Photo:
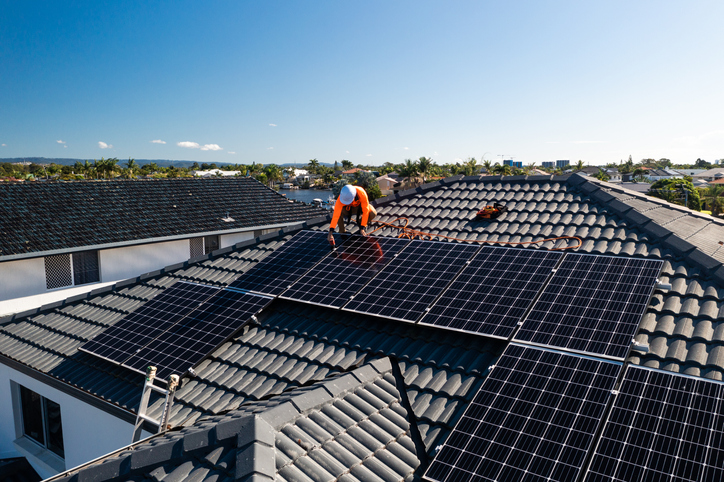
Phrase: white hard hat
(347, 194)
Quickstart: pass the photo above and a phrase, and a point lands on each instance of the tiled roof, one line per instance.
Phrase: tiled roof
(294, 346)
(47, 216)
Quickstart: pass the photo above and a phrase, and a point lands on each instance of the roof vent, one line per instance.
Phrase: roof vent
(642, 347)
(228, 219)
(663, 286)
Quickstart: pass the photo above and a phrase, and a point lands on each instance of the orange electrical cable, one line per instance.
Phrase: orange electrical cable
(413, 233)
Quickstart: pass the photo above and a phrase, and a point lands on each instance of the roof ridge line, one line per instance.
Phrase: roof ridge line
(667, 237)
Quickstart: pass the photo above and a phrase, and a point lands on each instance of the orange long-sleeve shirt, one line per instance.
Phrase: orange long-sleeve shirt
(361, 200)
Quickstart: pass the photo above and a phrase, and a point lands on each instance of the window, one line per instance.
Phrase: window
(41, 421)
(201, 246)
(75, 269)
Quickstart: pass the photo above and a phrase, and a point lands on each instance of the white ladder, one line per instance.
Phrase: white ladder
(169, 391)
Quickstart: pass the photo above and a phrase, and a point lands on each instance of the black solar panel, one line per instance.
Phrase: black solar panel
(342, 273)
(493, 292)
(534, 418)
(136, 330)
(413, 280)
(186, 343)
(592, 304)
(276, 272)
(662, 426)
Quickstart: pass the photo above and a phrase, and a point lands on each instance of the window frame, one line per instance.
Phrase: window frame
(72, 263)
(46, 435)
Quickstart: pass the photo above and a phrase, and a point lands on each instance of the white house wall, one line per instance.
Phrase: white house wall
(88, 432)
(231, 239)
(22, 278)
(131, 261)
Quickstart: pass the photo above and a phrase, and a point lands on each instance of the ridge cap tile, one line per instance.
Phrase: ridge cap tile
(704, 260)
(679, 244)
(255, 430)
(256, 462)
(576, 179)
(155, 454)
(280, 415)
(340, 385)
(107, 470)
(311, 399)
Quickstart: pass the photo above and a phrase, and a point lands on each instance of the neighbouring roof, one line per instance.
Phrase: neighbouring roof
(336, 362)
(51, 216)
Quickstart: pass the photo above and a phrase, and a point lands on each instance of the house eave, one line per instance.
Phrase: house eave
(138, 242)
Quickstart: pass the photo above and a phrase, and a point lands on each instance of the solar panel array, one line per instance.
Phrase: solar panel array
(534, 418)
(187, 342)
(276, 272)
(176, 329)
(341, 274)
(139, 328)
(494, 291)
(662, 426)
(413, 280)
(592, 304)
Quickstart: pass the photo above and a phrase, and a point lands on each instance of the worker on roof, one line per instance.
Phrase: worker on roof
(352, 200)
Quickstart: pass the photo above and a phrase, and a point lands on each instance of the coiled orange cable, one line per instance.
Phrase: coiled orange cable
(411, 233)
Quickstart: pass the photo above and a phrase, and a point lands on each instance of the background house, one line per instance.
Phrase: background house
(58, 236)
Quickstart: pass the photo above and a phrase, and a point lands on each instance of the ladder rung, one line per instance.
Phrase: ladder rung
(149, 419)
(158, 389)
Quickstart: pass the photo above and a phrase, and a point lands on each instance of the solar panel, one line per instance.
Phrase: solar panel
(276, 272)
(493, 291)
(186, 343)
(662, 426)
(413, 280)
(534, 418)
(136, 330)
(346, 270)
(592, 304)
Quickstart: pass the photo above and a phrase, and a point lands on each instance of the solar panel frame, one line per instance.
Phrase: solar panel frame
(185, 344)
(493, 292)
(592, 304)
(662, 425)
(534, 418)
(120, 341)
(416, 277)
(280, 269)
(332, 281)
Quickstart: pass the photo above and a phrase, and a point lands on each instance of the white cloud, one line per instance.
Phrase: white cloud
(231, 152)
(587, 142)
(103, 145)
(272, 125)
(369, 155)
(188, 144)
(5, 145)
(158, 141)
(196, 145)
(694, 140)
(406, 148)
(60, 142)
(347, 152)
(269, 148)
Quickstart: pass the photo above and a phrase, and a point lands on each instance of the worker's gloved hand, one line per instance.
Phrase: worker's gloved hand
(330, 238)
(362, 231)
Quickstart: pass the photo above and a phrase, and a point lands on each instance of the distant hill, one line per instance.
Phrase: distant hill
(70, 162)
(140, 162)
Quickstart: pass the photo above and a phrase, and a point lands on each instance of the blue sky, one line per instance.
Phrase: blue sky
(373, 81)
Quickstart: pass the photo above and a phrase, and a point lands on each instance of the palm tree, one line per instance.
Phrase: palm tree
(714, 200)
(579, 165)
(471, 167)
(409, 169)
(131, 165)
(503, 169)
(313, 165)
(529, 168)
(488, 166)
(424, 166)
(273, 174)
